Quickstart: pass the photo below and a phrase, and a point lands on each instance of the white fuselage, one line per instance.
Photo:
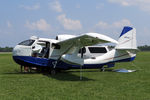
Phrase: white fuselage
(92, 55)
(69, 51)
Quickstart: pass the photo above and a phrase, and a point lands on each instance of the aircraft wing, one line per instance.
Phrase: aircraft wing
(70, 47)
(87, 40)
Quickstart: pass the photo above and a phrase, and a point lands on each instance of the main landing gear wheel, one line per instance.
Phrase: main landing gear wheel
(53, 71)
(102, 69)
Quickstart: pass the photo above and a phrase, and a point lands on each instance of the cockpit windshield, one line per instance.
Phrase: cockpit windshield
(27, 42)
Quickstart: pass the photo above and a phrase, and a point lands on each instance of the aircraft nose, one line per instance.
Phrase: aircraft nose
(16, 51)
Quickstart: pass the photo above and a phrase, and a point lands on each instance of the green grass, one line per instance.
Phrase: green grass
(95, 85)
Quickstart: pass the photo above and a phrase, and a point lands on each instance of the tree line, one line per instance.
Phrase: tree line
(6, 49)
(144, 48)
(141, 48)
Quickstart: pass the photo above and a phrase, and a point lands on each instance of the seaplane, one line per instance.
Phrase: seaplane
(75, 52)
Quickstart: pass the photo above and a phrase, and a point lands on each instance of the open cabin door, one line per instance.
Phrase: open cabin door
(44, 48)
(46, 53)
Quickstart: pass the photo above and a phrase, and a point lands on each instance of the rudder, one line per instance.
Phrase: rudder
(127, 39)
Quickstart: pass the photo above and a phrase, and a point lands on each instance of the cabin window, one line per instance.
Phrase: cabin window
(56, 46)
(83, 50)
(27, 42)
(97, 50)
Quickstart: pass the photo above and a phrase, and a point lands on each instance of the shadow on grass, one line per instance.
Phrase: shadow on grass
(62, 76)
(67, 76)
(19, 72)
(90, 70)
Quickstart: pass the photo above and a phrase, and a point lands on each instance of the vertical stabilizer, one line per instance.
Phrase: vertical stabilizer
(127, 39)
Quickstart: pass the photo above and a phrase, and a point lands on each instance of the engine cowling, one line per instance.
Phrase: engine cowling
(64, 37)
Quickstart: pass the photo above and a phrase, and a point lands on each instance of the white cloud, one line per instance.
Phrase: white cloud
(40, 25)
(56, 6)
(9, 25)
(117, 24)
(124, 22)
(102, 25)
(78, 6)
(99, 6)
(122, 2)
(33, 7)
(141, 4)
(69, 24)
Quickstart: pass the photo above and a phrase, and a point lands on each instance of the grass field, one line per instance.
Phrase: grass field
(95, 85)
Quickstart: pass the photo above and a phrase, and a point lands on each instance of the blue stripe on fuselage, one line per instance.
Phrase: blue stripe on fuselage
(44, 62)
(33, 61)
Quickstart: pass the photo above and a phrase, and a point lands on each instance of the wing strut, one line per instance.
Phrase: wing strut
(81, 65)
(55, 62)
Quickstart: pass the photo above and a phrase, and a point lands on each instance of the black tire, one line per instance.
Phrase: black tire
(102, 69)
(53, 72)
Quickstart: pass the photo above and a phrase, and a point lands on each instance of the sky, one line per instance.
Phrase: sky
(21, 19)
